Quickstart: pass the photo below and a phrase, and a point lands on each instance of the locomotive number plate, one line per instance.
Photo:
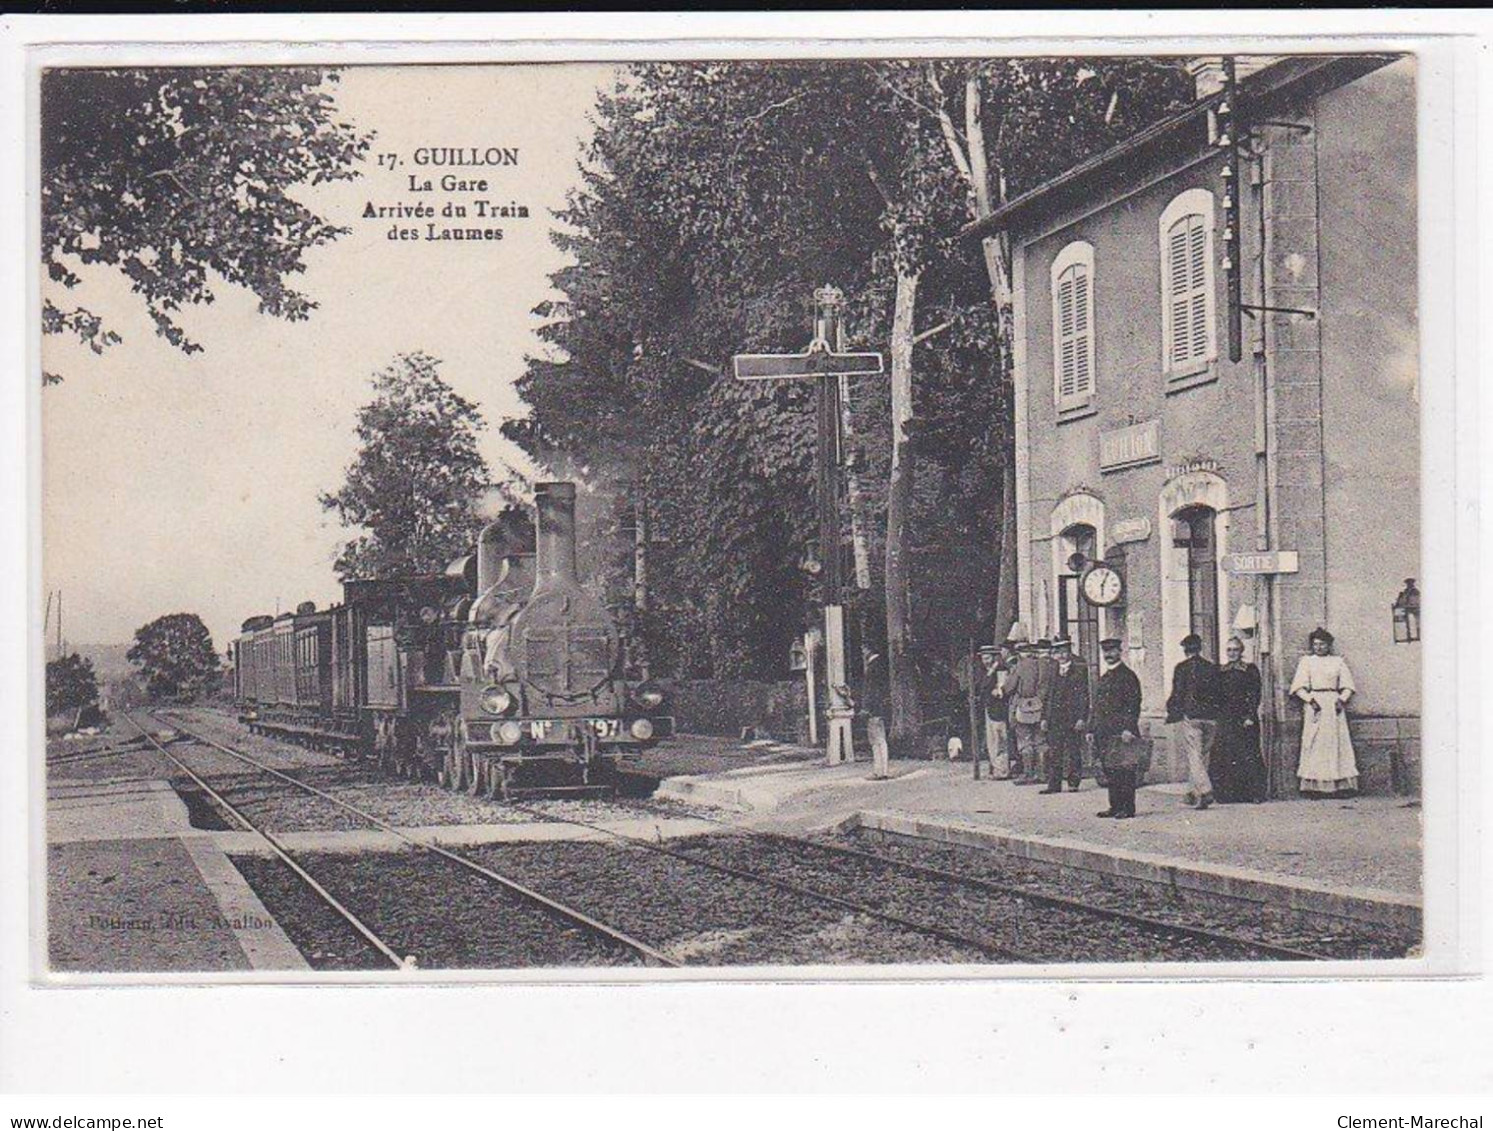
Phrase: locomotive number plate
(542, 729)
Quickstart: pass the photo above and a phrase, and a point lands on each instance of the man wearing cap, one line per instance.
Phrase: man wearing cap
(1026, 698)
(1191, 711)
(997, 665)
(1114, 721)
(1065, 715)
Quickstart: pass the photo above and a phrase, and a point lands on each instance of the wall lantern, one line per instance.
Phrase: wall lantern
(1406, 612)
(798, 657)
(810, 563)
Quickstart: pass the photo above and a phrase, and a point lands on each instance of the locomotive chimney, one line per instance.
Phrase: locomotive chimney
(554, 516)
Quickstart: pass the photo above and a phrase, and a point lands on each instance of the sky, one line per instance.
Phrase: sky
(176, 483)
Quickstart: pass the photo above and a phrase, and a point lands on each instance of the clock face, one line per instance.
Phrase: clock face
(1102, 585)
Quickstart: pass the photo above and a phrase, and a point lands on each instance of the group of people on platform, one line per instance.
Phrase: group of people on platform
(1043, 712)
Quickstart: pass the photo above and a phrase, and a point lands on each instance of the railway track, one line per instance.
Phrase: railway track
(533, 898)
(1224, 941)
(998, 951)
(1003, 920)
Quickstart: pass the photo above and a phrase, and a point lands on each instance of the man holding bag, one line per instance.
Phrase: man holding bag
(1115, 726)
(1026, 698)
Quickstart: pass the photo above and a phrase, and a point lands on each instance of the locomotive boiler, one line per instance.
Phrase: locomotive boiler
(502, 674)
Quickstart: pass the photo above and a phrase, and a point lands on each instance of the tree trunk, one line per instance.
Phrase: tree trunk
(1006, 610)
(987, 192)
(905, 720)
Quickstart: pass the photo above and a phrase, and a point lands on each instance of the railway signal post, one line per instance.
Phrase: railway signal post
(827, 362)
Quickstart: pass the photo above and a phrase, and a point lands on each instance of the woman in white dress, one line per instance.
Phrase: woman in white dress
(1324, 685)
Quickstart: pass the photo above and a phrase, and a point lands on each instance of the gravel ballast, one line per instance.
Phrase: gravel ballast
(1340, 939)
(422, 906)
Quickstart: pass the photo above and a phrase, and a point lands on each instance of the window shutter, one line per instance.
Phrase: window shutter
(1067, 363)
(1198, 287)
(1187, 289)
(1083, 377)
(1072, 326)
(1177, 273)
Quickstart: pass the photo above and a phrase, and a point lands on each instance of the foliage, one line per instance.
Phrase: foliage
(71, 684)
(418, 477)
(716, 197)
(176, 657)
(168, 175)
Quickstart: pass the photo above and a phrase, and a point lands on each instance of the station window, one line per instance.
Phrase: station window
(1188, 334)
(1193, 530)
(1073, 326)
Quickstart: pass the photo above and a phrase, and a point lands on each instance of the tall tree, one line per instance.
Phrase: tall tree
(176, 657)
(418, 477)
(1000, 140)
(717, 196)
(172, 174)
(71, 683)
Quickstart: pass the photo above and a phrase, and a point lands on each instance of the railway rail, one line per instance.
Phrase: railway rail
(552, 907)
(932, 930)
(280, 851)
(1047, 899)
(986, 915)
(1226, 941)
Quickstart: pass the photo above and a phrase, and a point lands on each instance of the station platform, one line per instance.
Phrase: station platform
(1360, 857)
(133, 888)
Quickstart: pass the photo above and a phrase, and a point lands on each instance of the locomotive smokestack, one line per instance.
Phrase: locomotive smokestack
(554, 511)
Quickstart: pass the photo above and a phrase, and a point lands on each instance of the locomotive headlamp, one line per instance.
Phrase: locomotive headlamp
(641, 729)
(496, 701)
(510, 732)
(650, 698)
(430, 614)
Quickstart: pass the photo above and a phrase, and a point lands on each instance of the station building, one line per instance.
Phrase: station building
(1260, 497)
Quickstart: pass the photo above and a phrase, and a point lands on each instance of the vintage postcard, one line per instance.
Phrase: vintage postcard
(949, 513)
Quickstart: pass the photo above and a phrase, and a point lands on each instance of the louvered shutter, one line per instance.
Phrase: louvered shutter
(1083, 376)
(1067, 359)
(1187, 289)
(1073, 336)
(1197, 285)
(1177, 295)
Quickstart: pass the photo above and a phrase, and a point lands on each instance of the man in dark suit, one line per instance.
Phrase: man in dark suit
(1065, 717)
(1114, 721)
(1191, 714)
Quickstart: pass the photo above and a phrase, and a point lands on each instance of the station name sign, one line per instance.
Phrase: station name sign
(1130, 446)
(1263, 561)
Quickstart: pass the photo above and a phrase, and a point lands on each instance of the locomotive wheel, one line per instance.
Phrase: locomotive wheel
(446, 750)
(383, 745)
(478, 778)
(500, 783)
(453, 771)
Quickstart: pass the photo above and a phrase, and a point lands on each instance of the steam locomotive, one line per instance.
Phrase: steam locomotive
(502, 674)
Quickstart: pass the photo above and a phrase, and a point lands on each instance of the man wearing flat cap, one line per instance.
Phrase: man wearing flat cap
(1191, 711)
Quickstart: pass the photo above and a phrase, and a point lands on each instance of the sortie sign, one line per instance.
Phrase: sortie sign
(1263, 561)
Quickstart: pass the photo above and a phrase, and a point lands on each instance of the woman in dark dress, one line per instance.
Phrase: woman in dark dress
(1236, 767)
